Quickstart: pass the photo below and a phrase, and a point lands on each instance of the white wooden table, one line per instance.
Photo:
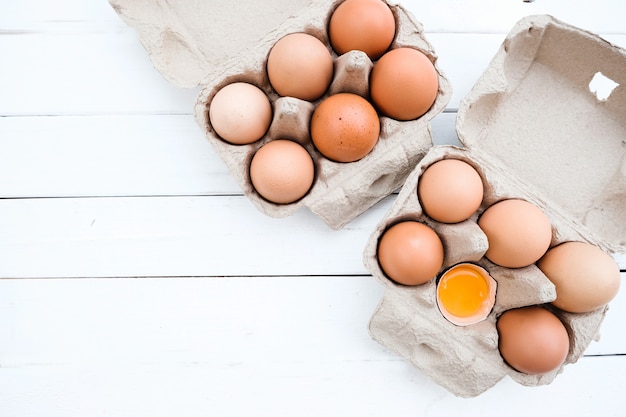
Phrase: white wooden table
(136, 280)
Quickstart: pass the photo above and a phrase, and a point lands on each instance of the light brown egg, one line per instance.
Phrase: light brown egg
(299, 65)
(410, 253)
(404, 84)
(282, 171)
(240, 113)
(532, 340)
(345, 127)
(585, 277)
(466, 294)
(519, 233)
(364, 25)
(450, 190)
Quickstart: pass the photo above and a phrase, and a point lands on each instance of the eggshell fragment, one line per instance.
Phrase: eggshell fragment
(282, 171)
(363, 25)
(585, 277)
(519, 233)
(410, 253)
(532, 340)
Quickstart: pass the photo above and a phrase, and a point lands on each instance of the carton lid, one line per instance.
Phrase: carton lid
(538, 114)
(186, 38)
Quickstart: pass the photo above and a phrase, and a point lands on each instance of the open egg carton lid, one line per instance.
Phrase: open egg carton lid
(187, 39)
(214, 44)
(535, 128)
(549, 112)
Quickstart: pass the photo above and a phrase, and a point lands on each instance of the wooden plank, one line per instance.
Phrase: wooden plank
(129, 84)
(196, 346)
(173, 236)
(165, 236)
(470, 16)
(120, 156)
(40, 324)
(496, 16)
(309, 386)
(95, 73)
(108, 156)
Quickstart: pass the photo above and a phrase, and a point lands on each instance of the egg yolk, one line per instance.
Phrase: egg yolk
(462, 291)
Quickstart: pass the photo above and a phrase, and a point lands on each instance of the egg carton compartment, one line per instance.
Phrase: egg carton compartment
(525, 143)
(341, 190)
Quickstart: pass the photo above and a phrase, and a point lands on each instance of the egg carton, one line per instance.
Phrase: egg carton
(212, 44)
(533, 129)
(341, 191)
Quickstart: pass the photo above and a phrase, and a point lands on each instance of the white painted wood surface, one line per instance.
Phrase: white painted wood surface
(136, 280)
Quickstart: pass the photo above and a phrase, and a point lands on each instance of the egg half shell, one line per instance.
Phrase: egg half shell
(466, 294)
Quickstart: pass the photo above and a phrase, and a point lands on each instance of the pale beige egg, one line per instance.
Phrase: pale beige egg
(240, 113)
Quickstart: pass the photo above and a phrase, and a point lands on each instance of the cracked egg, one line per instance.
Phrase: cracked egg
(466, 294)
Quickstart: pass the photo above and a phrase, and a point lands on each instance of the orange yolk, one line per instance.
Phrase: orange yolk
(462, 291)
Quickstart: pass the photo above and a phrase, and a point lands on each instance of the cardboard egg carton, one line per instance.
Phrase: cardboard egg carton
(534, 129)
(341, 191)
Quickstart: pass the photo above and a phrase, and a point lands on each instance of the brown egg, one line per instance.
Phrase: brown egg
(450, 191)
(404, 84)
(585, 277)
(282, 171)
(299, 65)
(345, 127)
(364, 25)
(519, 233)
(410, 253)
(240, 113)
(532, 340)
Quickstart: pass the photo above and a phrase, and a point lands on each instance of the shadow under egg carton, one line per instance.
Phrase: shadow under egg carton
(526, 83)
(341, 191)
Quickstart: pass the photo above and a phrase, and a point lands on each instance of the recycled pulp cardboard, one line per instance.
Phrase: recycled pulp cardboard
(186, 39)
(180, 37)
(533, 129)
